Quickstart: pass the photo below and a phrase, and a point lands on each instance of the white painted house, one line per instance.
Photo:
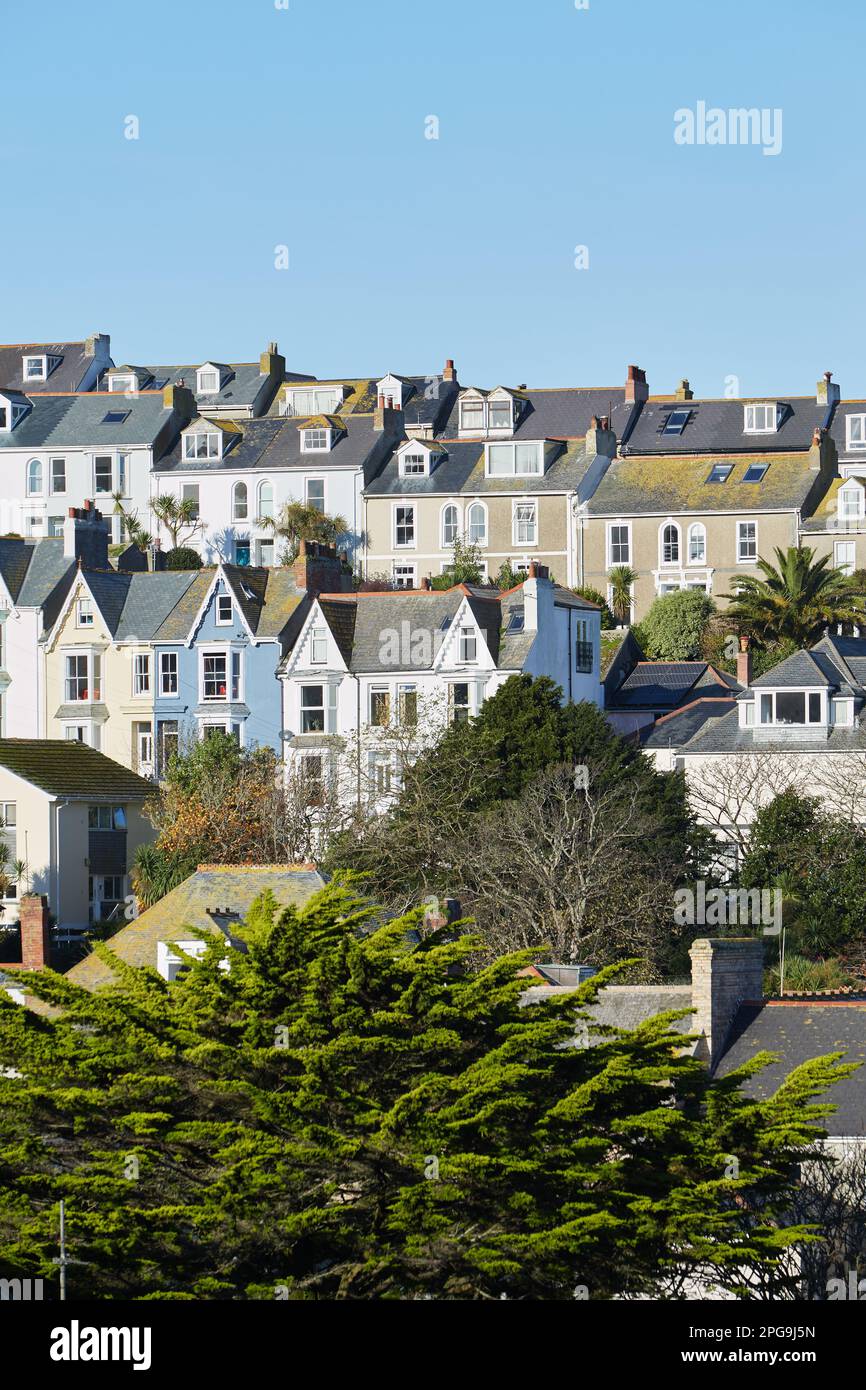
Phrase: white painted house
(373, 670)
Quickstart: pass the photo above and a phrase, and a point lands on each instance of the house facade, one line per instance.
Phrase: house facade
(377, 675)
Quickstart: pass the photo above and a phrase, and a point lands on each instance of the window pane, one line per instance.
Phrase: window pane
(790, 707)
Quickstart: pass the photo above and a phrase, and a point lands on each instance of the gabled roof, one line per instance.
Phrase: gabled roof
(241, 388)
(677, 729)
(133, 606)
(462, 470)
(273, 443)
(800, 669)
(209, 899)
(267, 598)
(556, 412)
(72, 770)
(71, 421)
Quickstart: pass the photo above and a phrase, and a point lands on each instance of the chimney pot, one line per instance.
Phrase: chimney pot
(636, 389)
(449, 374)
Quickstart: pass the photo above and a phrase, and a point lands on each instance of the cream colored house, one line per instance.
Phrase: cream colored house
(74, 819)
(99, 680)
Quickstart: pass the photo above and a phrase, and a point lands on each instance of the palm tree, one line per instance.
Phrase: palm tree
(798, 598)
(621, 578)
(134, 529)
(298, 522)
(177, 516)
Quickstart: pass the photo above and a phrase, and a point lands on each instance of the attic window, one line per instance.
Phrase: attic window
(35, 368)
(317, 401)
(315, 441)
(676, 422)
(515, 620)
(413, 465)
(201, 446)
(755, 472)
(208, 382)
(115, 417)
(761, 419)
(720, 472)
(855, 432)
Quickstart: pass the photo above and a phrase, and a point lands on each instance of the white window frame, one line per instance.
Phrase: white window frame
(201, 373)
(261, 514)
(482, 539)
(191, 492)
(225, 616)
(805, 691)
(516, 446)
(42, 374)
(100, 491)
(697, 531)
(747, 559)
(318, 646)
(125, 384)
(848, 491)
(376, 691)
(399, 507)
(846, 566)
(169, 674)
(310, 441)
(446, 507)
(31, 490)
(399, 572)
(240, 501)
(467, 638)
(750, 417)
(328, 400)
(664, 544)
(56, 491)
(418, 455)
(209, 652)
(324, 706)
(324, 483)
(85, 613)
(855, 446)
(611, 527)
(192, 452)
(516, 523)
(92, 676)
(141, 673)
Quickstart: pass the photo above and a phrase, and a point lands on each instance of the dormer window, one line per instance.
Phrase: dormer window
(13, 407)
(472, 415)
(315, 441)
(203, 445)
(524, 460)
(851, 506)
(761, 419)
(791, 707)
(312, 400)
(413, 465)
(35, 369)
(392, 388)
(209, 379)
(855, 433)
(417, 460)
(487, 412)
(500, 415)
(126, 384)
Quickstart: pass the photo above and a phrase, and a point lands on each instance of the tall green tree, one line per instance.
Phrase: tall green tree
(342, 1113)
(298, 521)
(797, 598)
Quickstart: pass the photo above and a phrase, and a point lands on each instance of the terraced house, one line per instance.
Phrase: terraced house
(217, 652)
(67, 366)
(239, 390)
(503, 473)
(61, 450)
(370, 677)
(704, 488)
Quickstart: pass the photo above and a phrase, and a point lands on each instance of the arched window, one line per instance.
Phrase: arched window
(477, 518)
(450, 524)
(697, 544)
(34, 476)
(266, 499)
(670, 543)
(239, 502)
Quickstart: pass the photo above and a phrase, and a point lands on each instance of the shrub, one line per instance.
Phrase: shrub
(183, 558)
(674, 627)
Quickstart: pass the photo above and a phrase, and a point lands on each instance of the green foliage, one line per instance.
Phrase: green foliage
(596, 596)
(797, 598)
(183, 557)
(464, 567)
(806, 976)
(347, 1115)
(622, 578)
(298, 521)
(674, 627)
(819, 860)
(508, 577)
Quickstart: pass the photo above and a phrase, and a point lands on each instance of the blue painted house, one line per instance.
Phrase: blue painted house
(216, 656)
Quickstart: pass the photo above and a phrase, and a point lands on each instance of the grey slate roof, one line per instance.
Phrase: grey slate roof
(274, 443)
(242, 388)
(77, 420)
(839, 428)
(800, 669)
(134, 606)
(461, 470)
(676, 730)
(716, 426)
(37, 574)
(641, 485)
(268, 598)
(724, 735)
(556, 413)
(67, 375)
(800, 1031)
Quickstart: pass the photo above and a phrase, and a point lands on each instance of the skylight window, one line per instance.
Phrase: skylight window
(515, 620)
(720, 472)
(676, 422)
(755, 472)
(115, 417)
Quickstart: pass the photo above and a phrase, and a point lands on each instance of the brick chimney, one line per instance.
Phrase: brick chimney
(272, 364)
(449, 373)
(35, 935)
(600, 438)
(425, 582)
(636, 389)
(385, 418)
(827, 392)
(318, 569)
(727, 971)
(684, 391)
(85, 536)
(744, 663)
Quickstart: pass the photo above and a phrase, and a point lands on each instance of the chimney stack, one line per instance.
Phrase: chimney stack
(179, 399)
(35, 934)
(636, 388)
(86, 536)
(425, 582)
(726, 972)
(744, 663)
(271, 364)
(684, 391)
(318, 569)
(600, 438)
(827, 392)
(386, 418)
(449, 374)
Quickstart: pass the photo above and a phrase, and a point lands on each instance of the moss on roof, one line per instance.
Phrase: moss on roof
(656, 484)
(71, 769)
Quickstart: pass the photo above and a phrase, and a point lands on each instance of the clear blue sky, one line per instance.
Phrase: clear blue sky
(306, 127)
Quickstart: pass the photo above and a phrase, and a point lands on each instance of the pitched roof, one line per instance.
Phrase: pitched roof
(716, 426)
(71, 421)
(668, 485)
(800, 669)
(72, 770)
(66, 376)
(461, 469)
(556, 412)
(677, 729)
(268, 599)
(240, 389)
(210, 899)
(798, 1031)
